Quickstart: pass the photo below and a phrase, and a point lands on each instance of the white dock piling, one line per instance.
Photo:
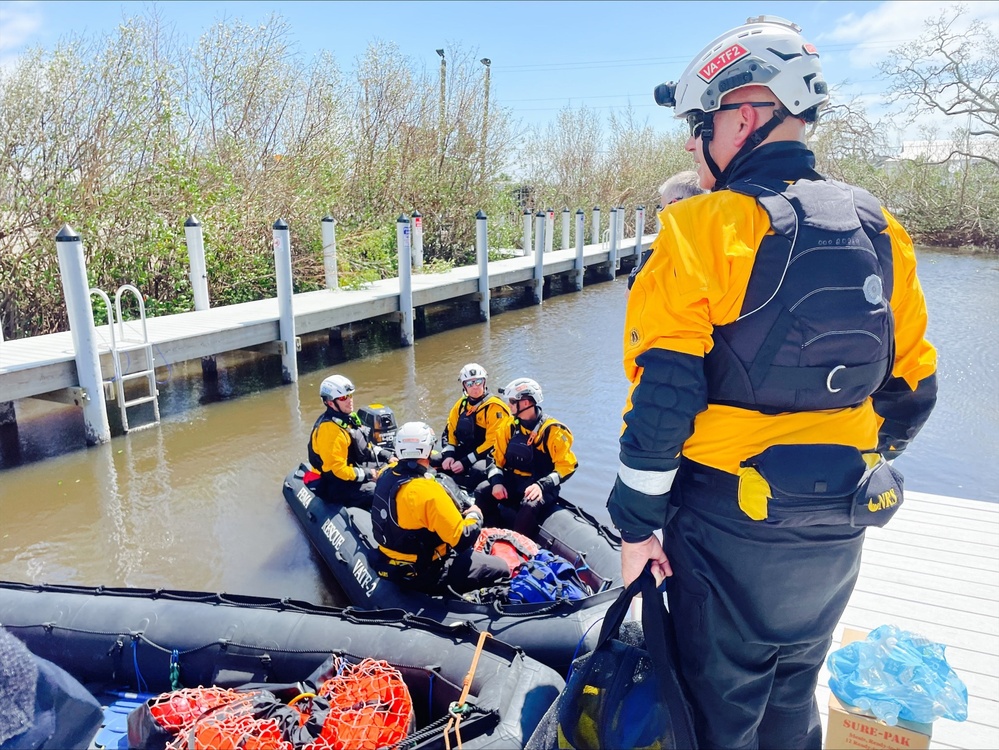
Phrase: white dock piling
(403, 242)
(527, 234)
(329, 253)
(286, 315)
(659, 223)
(549, 229)
(417, 240)
(76, 290)
(580, 262)
(196, 255)
(612, 259)
(639, 231)
(539, 257)
(565, 228)
(482, 256)
(595, 226)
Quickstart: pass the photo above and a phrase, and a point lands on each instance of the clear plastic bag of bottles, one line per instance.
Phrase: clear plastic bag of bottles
(895, 675)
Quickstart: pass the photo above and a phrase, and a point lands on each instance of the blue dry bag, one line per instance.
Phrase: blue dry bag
(546, 578)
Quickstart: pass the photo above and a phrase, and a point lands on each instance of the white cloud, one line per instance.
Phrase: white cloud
(19, 21)
(891, 24)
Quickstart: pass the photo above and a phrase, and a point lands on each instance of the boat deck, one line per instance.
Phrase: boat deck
(934, 570)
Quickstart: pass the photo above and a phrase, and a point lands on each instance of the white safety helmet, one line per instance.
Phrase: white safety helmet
(765, 51)
(414, 440)
(335, 386)
(523, 388)
(471, 371)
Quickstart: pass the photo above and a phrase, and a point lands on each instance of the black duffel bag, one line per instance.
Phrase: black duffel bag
(627, 695)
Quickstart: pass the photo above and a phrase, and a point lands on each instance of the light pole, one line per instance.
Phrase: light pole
(443, 103)
(485, 122)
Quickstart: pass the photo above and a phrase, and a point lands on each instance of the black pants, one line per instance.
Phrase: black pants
(348, 494)
(460, 572)
(755, 606)
(527, 517)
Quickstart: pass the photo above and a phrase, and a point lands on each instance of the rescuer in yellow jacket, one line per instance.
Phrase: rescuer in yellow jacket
(775, 344)
(532, 457)
(468, 437)
(425, 528)
(345, 464)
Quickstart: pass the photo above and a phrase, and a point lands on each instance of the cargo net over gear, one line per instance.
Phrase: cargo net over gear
(363, 706)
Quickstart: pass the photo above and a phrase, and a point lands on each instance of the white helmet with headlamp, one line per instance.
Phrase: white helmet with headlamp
(414, 440)
(334, 387)
(765, 51)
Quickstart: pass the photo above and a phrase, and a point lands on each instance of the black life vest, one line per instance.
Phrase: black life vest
(526, 457)
(467, 432)
(816, 330)
(385, 516)
(357, 452)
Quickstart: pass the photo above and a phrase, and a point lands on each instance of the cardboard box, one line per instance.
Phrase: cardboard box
(851, 727)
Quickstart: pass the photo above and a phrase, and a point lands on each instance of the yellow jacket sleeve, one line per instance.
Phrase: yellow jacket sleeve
(332, 444)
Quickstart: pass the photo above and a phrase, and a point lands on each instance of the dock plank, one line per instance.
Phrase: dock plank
(930, 584)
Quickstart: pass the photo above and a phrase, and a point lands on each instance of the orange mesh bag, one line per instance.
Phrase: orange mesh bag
(155, 723)
(250, 722)
(369, 706)
(513, 548)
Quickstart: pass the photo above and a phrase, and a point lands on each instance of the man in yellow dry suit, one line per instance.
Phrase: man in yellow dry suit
(468, 437)
(425, 533)
(532, 457)
(343, 460)
(775, 343)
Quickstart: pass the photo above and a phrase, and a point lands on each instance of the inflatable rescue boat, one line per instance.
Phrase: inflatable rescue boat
(126, 645)
(551, 632)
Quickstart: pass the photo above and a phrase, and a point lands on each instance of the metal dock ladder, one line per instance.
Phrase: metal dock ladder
(123, 344)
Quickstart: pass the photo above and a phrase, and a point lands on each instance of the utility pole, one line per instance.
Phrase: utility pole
(485, 122)
(443, 103)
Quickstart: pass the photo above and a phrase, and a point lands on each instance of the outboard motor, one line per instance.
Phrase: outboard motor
(381, 424)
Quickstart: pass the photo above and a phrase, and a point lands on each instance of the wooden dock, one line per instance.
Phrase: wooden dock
(45, 364)
(934, 570)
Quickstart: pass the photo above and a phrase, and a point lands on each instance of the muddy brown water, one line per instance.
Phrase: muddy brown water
(196, 503)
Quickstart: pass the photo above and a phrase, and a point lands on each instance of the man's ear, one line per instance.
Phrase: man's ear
(748, 120)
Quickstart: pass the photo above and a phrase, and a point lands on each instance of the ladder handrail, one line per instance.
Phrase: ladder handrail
(110, 313)
(142, 311)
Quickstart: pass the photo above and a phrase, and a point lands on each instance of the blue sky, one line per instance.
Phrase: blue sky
(544, 55)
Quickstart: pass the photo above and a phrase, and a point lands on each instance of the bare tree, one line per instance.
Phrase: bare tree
(952, 72)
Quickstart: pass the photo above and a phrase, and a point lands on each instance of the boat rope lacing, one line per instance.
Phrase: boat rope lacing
(459, 708)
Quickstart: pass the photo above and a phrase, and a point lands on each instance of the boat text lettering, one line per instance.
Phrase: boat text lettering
(363, 576)
(304, 497)
(332, 533)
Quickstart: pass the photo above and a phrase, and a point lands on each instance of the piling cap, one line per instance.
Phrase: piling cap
(416, 214)
(280, 224)
(67, 234)
(403, 219)
(480, 215)
(540, 214)
(192, 221)
(329, 218)
(579, 212)
(527, 212)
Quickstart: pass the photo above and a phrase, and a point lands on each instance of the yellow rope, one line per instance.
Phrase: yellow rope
(455, 721)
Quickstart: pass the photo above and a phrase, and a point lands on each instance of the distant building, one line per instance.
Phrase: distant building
(946, 151)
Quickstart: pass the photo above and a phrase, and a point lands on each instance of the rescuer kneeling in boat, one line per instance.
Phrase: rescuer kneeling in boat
(344, 462)
(425, 526)
(775, 344)
(532, 457)
(468, 437)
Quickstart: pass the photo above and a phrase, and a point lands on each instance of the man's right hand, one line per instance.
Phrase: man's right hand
(448, 464)
(372, 474)
(499, 492)
(634, 555)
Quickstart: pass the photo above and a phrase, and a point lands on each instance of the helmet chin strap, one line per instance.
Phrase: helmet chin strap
(755, 139)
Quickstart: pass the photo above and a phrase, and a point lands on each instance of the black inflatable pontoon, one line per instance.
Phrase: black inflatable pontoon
(550, 632)
(123, 639)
